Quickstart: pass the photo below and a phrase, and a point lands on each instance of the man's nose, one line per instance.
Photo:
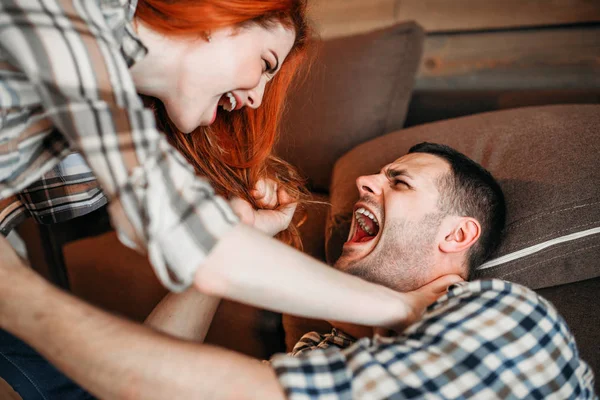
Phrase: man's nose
(369, 185)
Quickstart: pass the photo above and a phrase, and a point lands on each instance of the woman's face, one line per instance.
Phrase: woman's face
(225, 74)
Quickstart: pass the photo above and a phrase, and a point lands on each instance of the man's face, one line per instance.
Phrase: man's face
(395, 226)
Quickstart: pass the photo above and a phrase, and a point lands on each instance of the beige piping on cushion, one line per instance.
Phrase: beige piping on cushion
(538, 247)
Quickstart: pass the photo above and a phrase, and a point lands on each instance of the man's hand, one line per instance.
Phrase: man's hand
(14, 276)
(9, 259)
(277, 208)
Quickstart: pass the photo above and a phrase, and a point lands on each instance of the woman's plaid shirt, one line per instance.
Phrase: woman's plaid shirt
(483, 340)
(65, 86)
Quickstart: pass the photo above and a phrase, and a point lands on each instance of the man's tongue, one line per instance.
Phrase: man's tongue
(361, 235)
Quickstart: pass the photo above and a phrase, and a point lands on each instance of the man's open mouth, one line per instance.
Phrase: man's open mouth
(367, 226)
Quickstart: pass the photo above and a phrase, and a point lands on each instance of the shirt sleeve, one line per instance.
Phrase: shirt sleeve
(66, 49)
(487, 339)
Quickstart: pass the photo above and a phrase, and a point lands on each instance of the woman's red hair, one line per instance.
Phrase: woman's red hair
(237, 149)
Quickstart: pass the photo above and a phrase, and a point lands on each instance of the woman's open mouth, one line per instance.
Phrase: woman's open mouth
(366, 226)
(229, 102)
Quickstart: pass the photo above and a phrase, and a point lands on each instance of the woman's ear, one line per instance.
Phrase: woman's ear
(463, 233)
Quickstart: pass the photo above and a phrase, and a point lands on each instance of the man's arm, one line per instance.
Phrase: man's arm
(117, 359)
(186, 315)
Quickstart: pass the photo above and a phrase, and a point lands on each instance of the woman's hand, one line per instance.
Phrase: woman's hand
(418, 300)
(276, 208)
(266, 194)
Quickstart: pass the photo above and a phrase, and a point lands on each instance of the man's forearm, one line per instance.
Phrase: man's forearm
(117, 359)
(252, 268)
(186, 315)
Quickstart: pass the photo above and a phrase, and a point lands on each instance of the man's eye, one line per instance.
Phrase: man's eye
(397, 182)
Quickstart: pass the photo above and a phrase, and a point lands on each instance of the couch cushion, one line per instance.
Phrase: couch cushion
(582, 313)
(546, 160)
(358, 88)
(312, 231)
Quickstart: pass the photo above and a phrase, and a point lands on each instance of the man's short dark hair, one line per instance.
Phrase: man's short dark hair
(470, 191)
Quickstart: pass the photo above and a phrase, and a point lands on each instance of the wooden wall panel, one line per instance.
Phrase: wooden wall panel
(335, 18)
(565, 58)
(460, 15)
(429, 106)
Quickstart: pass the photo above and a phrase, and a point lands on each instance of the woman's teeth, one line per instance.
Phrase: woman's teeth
(360, 214)
(230, 106)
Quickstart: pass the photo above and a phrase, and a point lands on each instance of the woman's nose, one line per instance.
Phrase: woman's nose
(255, 95)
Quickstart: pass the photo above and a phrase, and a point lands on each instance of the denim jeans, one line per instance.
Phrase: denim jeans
(31, 376)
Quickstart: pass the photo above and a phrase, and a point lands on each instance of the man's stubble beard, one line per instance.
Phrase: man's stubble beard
(403, 258)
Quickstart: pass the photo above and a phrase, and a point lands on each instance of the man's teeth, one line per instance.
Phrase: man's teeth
(232, 102)
(362, 212)
(367, 213)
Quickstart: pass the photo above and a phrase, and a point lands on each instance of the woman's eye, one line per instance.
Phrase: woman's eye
(268, 66)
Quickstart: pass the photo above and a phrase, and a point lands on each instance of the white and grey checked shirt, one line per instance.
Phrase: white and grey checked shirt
(64, 87)
(482, 340)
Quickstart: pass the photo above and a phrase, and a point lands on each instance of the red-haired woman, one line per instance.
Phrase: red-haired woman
(214, 75)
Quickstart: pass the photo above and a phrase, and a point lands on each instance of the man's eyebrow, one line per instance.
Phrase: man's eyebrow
(391, 173)
(276, 67)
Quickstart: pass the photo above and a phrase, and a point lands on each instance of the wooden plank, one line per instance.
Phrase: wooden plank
(563, 58)
(334, 18)
(460, 15)
(429, 106)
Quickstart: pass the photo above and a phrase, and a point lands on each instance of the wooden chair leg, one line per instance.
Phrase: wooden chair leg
(53, 255)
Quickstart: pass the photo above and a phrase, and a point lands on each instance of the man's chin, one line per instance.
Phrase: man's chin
(342, 263)
(346, 261)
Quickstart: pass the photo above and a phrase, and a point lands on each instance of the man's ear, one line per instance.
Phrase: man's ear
(463, 233)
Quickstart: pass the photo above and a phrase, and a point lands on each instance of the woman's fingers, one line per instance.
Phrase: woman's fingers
(266, 193)
(270, 222)
(283, 197)
(435, 289)
(276, 207)
(287, 212)
(418, 300)
(441, 284)
(243, 209)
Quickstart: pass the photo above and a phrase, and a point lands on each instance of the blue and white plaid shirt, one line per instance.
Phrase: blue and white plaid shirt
(484, 339)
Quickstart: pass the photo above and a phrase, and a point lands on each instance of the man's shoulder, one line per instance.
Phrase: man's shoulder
(492, 337)
(493, 320)
(491, 303)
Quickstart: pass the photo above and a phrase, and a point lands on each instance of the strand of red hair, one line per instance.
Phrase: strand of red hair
(237, 149)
